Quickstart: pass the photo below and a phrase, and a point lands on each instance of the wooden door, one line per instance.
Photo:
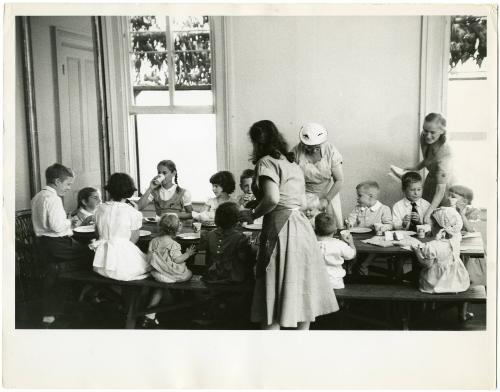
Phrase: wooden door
(78, 110)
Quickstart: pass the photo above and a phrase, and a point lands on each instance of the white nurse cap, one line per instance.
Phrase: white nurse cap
(312, 134)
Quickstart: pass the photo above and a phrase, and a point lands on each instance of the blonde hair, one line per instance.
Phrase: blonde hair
(169, 224)
(371, 188)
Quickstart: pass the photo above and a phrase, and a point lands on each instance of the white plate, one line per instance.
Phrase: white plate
(360, 230)
(144, 233)
(85, 229)
(150, 220)
(252, 226)
(405, 232)
(189, 236)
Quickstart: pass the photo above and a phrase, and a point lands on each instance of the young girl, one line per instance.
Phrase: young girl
(443, 271)
(166, 194)
(229, 255)
(167, 261)
(223, 185)
(118, 224)
(334, 251)
(88, 200)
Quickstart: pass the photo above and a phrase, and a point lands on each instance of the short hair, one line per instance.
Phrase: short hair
(227, 215)
(410, 178)
(463, 191)
(324, 224)
(84, 194)
(370, 187)
(168, 224)
(225, 180)
(438, 118)
(57, 171)
(120, 186)
(247, 173)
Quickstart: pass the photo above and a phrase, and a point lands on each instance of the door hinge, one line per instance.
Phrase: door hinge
(63, 69)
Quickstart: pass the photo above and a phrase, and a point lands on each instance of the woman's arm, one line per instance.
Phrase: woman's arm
(417, 167)
(436, 201)
(338, 177)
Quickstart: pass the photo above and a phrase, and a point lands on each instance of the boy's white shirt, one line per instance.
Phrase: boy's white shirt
(403, 207)
(48, 214)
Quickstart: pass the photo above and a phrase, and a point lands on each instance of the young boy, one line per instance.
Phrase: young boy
(60, 252)
(246, 179)
(368, 212)
(461, 197)
(408, 212)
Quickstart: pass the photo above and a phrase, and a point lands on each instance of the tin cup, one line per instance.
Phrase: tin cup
(344, 234)
(421, 231)
(379, 228)
(196, 226)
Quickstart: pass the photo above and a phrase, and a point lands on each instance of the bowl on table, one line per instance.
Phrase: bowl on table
(85, 229)
(360, 230)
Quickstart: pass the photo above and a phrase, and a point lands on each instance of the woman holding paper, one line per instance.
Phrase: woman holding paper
(437, 160)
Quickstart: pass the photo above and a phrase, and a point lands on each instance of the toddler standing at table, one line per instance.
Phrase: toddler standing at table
(167, 261)
(367, 212)
(442, 269)
(334, 251)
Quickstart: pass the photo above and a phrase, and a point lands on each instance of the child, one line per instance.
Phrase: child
(118, 223)
(167, 261)
(229, 255)
(312, 207)
(223, 185)
(409, 211)
(88, 200)
(461, 197)
(246, 179)
(368, 212)
(53, 230)
(334, 251)
(443, 271)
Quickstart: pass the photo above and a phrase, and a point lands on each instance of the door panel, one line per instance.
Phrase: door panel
(78, 111)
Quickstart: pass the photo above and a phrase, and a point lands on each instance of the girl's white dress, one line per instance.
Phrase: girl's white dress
(116, 256)
(443, 271)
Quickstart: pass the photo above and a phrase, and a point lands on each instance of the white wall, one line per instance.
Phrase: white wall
(359, 76)
(22, 170)
(46, 82)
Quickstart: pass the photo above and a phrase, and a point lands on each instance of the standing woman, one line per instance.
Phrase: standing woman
(166, 194)
(437, 160)
(321, 164)
(292, 286)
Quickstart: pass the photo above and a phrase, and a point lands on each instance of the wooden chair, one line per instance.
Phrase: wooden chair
(29, 270)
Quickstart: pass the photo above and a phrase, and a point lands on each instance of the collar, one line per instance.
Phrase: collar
(172, 188)
(375, 207)
(50, 189)
(408, 202)
(85, 212)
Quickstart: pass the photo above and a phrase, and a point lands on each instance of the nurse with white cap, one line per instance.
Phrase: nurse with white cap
(322, 166)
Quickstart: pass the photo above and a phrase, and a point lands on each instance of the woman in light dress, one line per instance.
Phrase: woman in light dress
(292, 286)
(321, 164)
(118, 224)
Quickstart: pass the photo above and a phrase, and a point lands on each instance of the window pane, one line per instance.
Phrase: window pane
(188, 140)
(193, 40)
(147, 23)
(193, 70)
(149, 69)
(194, 97)
(187, 23)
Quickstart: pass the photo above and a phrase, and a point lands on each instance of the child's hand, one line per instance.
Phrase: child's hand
(191, 250)
(348, 224)
(461, 204)
(246, 216)
(415, 217)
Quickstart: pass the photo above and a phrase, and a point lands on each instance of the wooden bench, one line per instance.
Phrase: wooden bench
(134, 291)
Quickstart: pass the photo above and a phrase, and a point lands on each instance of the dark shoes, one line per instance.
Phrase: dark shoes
(148, 323)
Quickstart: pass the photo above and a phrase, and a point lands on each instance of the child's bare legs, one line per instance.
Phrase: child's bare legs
(270, 327)
(155, 300)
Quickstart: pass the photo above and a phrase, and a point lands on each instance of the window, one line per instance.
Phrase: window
(172, 99)
(469, 103)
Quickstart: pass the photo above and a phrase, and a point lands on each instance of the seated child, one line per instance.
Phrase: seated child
(334, 251)
(442, 270)
(312, 207)
(223, 185)
(118, 223)
(53, 231)
(246, 180)
(167, 261)
(229, 255)
(461, 197)
(408, 212)
(367, 212)
(88, 200)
